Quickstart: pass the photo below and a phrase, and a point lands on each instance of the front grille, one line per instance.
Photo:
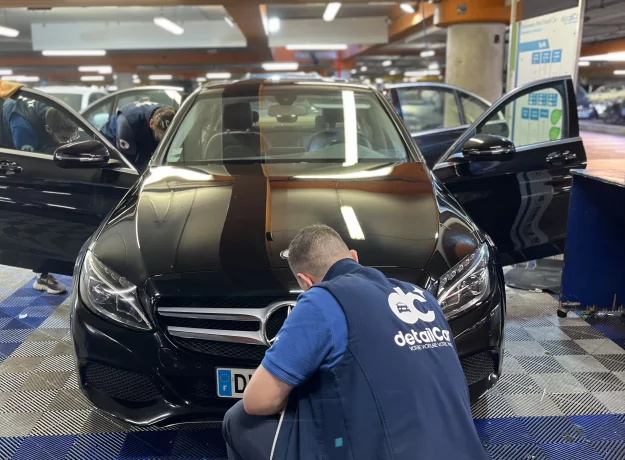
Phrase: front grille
(217, 302)
(120, 384)
(211, 323)
(478, 367)
(225, 349)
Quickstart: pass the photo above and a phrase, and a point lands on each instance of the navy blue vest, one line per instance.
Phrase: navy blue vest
(137, 118)
(399, 391)
(34, 112)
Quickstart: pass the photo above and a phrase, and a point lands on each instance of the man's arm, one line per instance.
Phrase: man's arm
(265, 394)
(24, 136)
(126, 142)
(302, 346)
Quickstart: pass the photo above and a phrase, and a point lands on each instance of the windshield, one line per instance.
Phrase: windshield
(286, 124)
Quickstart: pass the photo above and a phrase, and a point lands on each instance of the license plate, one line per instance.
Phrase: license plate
(231, 383)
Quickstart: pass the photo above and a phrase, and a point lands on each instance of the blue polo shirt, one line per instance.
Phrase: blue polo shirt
(313, 337)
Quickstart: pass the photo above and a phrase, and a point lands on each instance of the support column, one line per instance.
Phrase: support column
(475, 44)
(124, 81)
(475, 58)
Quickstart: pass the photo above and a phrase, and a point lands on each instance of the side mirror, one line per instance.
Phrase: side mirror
(488, 147)
(82, 154)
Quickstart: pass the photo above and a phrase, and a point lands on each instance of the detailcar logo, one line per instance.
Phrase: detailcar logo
(402, 304)
(285, 254)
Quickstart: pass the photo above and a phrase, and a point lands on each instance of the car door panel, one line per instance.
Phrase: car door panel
(521, 203)
(48, 212)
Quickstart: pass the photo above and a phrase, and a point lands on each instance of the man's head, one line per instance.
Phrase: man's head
(313, 251)
(60, 127)
(159, 124)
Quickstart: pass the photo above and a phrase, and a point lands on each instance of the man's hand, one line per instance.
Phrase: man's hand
(265, 394)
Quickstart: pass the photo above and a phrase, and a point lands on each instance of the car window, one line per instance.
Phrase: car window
(530, 118)
(426, 108)
(73, 100)
(99, 115)
(95, 97)
(168, 98)
(287, 124)
(473, 108)
(33, 123)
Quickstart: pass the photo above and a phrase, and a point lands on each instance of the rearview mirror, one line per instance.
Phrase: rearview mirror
(82, 154)
(488, 147)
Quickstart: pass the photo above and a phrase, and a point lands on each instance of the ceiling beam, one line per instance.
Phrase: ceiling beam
(167, 58)
(612, 46)
(402, 26)
(249, 18)
(92, 3)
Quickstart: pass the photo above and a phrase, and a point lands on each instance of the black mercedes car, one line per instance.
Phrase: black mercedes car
(182, 281)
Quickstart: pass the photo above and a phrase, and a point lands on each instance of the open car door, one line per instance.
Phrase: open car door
(511, 169)
(50, 204)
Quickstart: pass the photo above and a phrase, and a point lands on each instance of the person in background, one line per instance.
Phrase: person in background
(137, 128)
(365, 367)
(32, 126)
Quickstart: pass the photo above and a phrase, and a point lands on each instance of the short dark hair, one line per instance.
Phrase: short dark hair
(59, 122)
(315, 249)
(162, 119)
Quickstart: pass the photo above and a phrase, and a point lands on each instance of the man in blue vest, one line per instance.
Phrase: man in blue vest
(365, 368)
(33, 126)
(137, 128)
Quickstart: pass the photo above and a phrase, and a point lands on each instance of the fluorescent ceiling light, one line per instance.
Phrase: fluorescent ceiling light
(229, 21)
(421, 73)
(379, 81)
(273, 25)
(364, 68)
(22, 78)
(331, 10)
(319, 47)
(427, 53)
(161, 77)
(583, 63)
(168, 25)
(353, 226)
(8, 32)
(74, 52)
(200, 79)
(434, 66)
(278, 66)
(393, 72)
(613, 57)
(351, 128)
(218, 75)
(92, 78)
(6, 72)
(353, 71)
(406, 7)
(103, 69)
(112, 88)
(619, 72)
(387, 63)
(136, 81)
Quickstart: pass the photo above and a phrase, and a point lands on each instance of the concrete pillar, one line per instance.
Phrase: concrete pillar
(124, 81)
(475, 55)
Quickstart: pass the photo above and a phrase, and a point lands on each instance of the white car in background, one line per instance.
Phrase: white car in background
(77, 97)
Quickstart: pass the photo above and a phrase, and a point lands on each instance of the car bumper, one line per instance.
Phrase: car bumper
(142, 378)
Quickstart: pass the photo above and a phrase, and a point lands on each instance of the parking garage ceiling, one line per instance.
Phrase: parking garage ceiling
(240, 36)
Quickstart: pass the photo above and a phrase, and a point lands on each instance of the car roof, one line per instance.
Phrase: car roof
(70, 89)
(249, 84)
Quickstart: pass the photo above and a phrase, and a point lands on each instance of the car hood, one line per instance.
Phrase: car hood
(233, 223)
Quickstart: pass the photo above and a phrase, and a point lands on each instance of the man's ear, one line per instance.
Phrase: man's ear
(152, 124)
(306, 281)
(354, 254)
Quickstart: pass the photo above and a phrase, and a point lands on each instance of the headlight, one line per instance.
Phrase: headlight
(465, 284)
(110, 295)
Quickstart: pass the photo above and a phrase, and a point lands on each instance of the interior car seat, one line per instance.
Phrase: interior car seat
(331, 133)
(238, 139)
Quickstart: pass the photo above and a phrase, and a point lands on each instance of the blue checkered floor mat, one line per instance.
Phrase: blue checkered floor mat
(562, 395)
